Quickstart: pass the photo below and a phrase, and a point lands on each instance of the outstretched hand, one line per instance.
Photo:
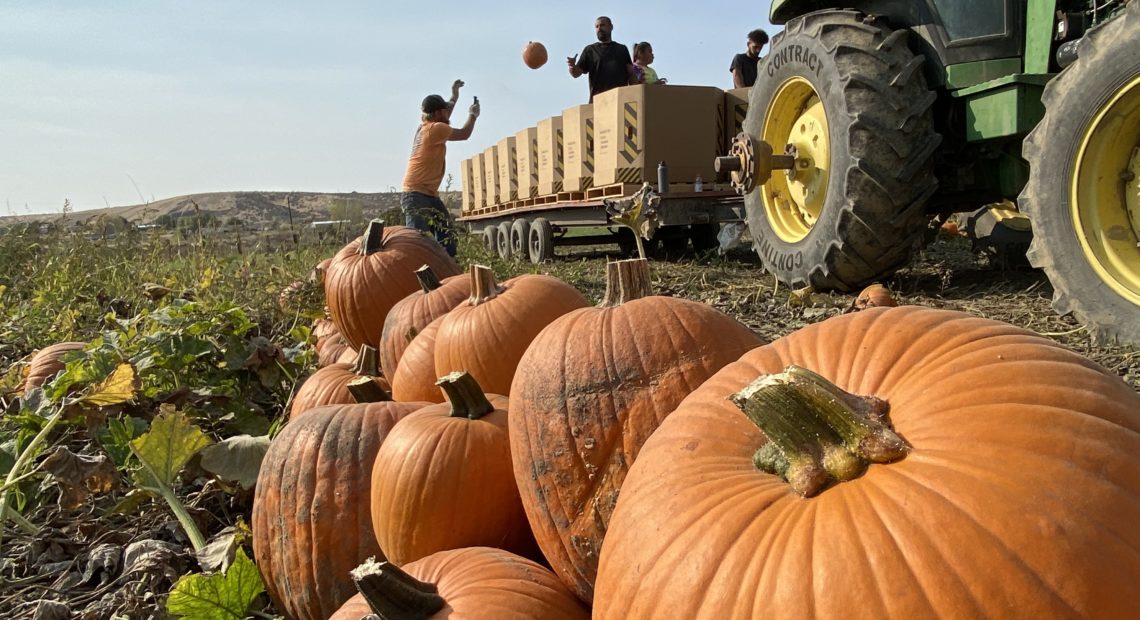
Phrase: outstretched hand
(455, 86)
(572, 60)
(474, 109)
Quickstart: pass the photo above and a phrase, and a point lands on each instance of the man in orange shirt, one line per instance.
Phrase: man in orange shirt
(420, 201)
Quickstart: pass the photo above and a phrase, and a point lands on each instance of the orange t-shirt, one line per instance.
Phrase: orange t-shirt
(427, 163)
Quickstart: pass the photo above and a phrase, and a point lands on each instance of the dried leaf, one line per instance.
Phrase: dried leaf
(79, 476)
(152, 557)
(219, 595)
(219, 553)
(236, 458)
(119, 387)
(103, 561)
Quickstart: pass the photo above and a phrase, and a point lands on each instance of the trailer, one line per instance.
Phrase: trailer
(533, 228)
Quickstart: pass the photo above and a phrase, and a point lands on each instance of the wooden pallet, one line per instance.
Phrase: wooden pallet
(617, 189)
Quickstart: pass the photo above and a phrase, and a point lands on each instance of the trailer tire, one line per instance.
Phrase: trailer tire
(540, 240)
(520, 238)
(504, 240)
(491, 238)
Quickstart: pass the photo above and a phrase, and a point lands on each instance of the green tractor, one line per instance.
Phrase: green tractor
(873, 120)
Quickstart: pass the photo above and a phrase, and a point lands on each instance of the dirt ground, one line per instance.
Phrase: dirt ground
(946, 274)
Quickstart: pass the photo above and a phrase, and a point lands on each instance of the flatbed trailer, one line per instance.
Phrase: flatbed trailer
(532, 229)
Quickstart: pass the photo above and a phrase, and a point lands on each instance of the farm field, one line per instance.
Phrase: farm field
(146, 447)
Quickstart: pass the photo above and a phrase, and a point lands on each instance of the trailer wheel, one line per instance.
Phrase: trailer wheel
(520, 238)
(491, 238)
(704, 236)
(541, 240)
(504, 241)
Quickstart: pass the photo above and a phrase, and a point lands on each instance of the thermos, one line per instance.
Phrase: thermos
(662, 178)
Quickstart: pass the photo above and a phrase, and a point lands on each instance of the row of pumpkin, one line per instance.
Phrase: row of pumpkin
(889, 462)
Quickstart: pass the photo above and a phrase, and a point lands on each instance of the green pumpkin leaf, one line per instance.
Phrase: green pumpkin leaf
(220, 596)
(169, 444)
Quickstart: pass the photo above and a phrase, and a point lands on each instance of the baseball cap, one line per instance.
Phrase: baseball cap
(433, 103)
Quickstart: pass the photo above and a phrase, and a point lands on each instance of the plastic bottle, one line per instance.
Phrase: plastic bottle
(697, 184)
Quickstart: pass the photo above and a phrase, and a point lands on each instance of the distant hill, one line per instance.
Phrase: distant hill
(257, 209)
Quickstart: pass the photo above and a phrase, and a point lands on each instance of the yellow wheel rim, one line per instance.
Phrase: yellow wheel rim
(1105, 192)
(793, 201)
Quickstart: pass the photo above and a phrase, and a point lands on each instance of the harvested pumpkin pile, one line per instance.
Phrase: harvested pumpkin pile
(602, 437)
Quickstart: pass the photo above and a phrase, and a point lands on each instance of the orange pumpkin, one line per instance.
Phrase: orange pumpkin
(487, 335)
(472, 583)
(311, 507)
(368, 276)
(875, 296)
(590, 390)
(415, 374)
(534, 54)
(334, 385)
(47, 362)
(1014, 483)
(443, 479)
(413, 313)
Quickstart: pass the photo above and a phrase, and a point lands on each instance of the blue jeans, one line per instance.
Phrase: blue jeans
(428, 213)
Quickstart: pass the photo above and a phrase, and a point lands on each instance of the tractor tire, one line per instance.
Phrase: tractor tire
(850, 96)
(1083, 194)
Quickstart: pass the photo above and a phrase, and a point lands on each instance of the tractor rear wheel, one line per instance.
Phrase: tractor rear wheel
(845, 95)
(1083, 194)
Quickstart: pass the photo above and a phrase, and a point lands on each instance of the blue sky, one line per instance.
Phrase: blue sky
(104, 103)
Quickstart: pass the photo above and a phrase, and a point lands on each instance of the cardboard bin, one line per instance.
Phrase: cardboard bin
(526, 146)
(508, 169)
(551, 164)
(467, 189)
(578, 155)
(478, 183)
(491, 175)
(735, 110)
(640, 126)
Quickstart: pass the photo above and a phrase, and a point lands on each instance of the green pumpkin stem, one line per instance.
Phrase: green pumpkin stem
(817, 432)
(428, 280)
(484, 287)
(393, 594)
(626, 280)
(365, 389)
(367, 362)
(373, 239)
(467, 398)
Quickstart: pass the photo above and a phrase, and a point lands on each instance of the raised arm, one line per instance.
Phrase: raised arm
(464, 132)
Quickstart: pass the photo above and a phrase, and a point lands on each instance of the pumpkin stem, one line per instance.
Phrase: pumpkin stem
(395, 595)
(428, 280)
(364, 389)
(367, 362)
(373, 239)
(817, 432)
(467, 398)
(626, 280)
(484, 287)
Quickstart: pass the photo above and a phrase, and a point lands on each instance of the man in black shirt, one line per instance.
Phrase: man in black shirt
(607, 62)
(744, 65)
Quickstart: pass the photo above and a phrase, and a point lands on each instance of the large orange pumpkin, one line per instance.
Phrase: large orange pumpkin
(311, 510)
(369, 275)
(47, 362)
(415, 374)
(475, 583)
(442, 480)
(590, 390)
(334, 384)
(413, 313)
(487, 335)
(1015, 486)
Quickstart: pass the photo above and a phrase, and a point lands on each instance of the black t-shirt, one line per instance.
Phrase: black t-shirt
(607, 64)
(747, 66)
